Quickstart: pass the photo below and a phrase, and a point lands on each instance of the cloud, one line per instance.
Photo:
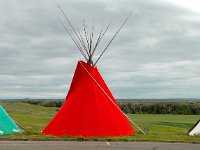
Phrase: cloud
(156, 55)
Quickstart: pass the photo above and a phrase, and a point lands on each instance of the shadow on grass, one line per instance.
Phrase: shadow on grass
(174, 124)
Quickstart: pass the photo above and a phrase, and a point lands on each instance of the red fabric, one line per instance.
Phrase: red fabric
(87, 111)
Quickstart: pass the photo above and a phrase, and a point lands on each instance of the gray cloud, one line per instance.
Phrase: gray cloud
(156, 55)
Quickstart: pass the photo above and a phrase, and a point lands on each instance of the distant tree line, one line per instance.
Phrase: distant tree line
(161, 108)
(183, 108)
(45, 103)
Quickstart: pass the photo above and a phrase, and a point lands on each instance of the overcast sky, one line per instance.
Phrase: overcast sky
(156, 54)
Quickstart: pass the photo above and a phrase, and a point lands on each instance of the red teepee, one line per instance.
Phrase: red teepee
(90, 109)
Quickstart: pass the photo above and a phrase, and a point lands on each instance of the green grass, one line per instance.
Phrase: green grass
(165, 128)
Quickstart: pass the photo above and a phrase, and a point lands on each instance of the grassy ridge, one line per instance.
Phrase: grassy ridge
(158, 127)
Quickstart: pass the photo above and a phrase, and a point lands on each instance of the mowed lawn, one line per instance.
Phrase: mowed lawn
(171, 128)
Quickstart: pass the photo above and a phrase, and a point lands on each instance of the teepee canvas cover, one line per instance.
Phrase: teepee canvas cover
(90, 109)
(7, 124)
(195, 130)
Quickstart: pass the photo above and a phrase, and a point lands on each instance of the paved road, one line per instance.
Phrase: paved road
(67, 145)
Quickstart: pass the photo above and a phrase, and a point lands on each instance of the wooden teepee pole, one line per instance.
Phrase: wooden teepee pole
(75, 42)
(113, 38)
(76, 34)
(100, 37)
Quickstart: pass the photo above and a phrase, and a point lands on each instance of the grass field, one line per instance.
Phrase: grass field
(171, 128)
